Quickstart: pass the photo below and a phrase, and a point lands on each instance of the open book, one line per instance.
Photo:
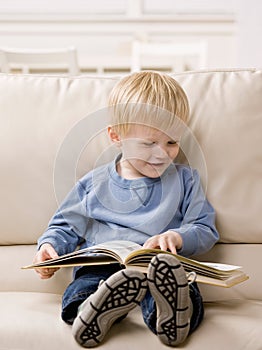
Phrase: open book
(132, 255)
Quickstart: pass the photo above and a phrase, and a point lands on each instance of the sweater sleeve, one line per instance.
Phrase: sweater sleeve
(67, 228)
(198, 229)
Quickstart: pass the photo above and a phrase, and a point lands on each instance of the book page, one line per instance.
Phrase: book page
(107, 252)
(222, 267)
(121, 249)
(134, 255)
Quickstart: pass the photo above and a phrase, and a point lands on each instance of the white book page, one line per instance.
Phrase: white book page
(222, 267)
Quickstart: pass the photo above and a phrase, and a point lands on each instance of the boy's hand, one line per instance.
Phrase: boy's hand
(45, 252)
(169, 240)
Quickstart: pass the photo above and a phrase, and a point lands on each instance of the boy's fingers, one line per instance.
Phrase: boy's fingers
(152, 242)
(46, 273)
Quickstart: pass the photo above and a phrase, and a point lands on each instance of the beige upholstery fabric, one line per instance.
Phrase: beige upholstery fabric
(37, 113)
(227, 325)
(226, 118)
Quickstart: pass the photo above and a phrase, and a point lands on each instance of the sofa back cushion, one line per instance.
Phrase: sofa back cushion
(53, 130)
(226, 121)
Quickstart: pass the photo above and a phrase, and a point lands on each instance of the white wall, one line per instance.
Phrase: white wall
(103, 34)
(249, 36)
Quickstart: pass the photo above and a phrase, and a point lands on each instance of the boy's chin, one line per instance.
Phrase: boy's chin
(153, 173)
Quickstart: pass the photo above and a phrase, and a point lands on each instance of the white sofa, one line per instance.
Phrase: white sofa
(52, 132)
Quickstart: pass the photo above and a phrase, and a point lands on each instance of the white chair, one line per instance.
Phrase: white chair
(170, 56)
(47, 60)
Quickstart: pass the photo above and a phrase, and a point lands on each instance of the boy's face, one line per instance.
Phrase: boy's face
(146, 151)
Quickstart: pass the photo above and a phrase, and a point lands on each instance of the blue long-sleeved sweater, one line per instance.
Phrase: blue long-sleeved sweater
(104, 206)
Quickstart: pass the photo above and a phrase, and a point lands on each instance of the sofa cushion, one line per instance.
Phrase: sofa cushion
(32, 321)
(13, 278)
(226, 121)
(36, 115)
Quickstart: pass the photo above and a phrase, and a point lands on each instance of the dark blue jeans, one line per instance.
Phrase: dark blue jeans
(86, 283)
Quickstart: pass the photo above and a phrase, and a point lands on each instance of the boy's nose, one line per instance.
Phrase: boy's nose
(160, 152)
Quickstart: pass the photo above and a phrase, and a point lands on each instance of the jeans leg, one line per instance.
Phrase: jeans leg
(85, 283)
(198, 307)
(149, 311)
(148, 307)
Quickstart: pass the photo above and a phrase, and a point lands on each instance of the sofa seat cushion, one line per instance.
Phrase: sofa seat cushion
(32, 321)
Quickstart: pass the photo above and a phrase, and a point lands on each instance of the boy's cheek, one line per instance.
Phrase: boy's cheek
(134, 152)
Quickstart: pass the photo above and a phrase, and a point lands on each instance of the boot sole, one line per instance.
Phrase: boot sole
(168, 285)
(119, 294)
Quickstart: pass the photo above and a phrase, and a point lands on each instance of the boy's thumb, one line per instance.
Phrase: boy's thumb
(52, 253)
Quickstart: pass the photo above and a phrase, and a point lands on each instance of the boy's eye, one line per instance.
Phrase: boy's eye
(149, 143)
(172, 142)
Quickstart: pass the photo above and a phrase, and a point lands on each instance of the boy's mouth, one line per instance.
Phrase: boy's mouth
(157, 165)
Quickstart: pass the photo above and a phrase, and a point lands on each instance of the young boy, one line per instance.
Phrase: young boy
(142, 196)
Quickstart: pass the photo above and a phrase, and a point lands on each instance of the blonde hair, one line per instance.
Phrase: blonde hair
(149, 98)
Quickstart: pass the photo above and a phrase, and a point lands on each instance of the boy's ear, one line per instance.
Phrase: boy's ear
(114, 136)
